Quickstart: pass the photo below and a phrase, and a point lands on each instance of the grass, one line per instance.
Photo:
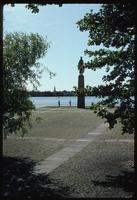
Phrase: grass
(49, 123)
(63, 123)
(115, 133)
(36, 150)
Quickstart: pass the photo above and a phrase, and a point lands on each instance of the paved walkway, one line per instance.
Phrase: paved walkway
(55, 160)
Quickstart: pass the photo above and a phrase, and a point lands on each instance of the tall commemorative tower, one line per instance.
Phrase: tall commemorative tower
(81, 95)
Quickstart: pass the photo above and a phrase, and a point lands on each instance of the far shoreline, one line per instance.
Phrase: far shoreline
(43, 107)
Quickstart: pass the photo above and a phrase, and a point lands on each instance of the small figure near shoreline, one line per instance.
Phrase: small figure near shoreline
(69, 103)
(58, 103)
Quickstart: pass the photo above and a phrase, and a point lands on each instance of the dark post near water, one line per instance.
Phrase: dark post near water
(81, 95)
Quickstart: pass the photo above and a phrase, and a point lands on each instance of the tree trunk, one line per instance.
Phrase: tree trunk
(1, 69)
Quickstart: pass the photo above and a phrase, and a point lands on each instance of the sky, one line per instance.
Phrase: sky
(58, 24)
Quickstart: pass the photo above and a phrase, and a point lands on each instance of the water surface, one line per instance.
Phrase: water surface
(64, 101)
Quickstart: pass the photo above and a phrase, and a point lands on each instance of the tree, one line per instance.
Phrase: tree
(35, 7)
(21, 53)
(112, 29)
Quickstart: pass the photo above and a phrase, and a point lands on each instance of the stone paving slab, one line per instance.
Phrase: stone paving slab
(83, 140)
(96, 133)
(120, 140)
(37, 138)
(55, 160)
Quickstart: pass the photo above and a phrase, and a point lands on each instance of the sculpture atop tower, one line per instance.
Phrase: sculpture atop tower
(81, 66)
(54, 89)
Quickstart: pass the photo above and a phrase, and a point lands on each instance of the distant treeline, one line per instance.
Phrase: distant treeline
(100, 90)
(95, 92)
(51, 94)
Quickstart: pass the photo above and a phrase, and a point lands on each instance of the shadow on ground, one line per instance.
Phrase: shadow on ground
(20, 182)
(125, 180)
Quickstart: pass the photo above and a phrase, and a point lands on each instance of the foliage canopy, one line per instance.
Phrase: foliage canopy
(21, 52)
(112, 29)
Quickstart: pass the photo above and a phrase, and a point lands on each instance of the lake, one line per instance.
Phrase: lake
(64, 101)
